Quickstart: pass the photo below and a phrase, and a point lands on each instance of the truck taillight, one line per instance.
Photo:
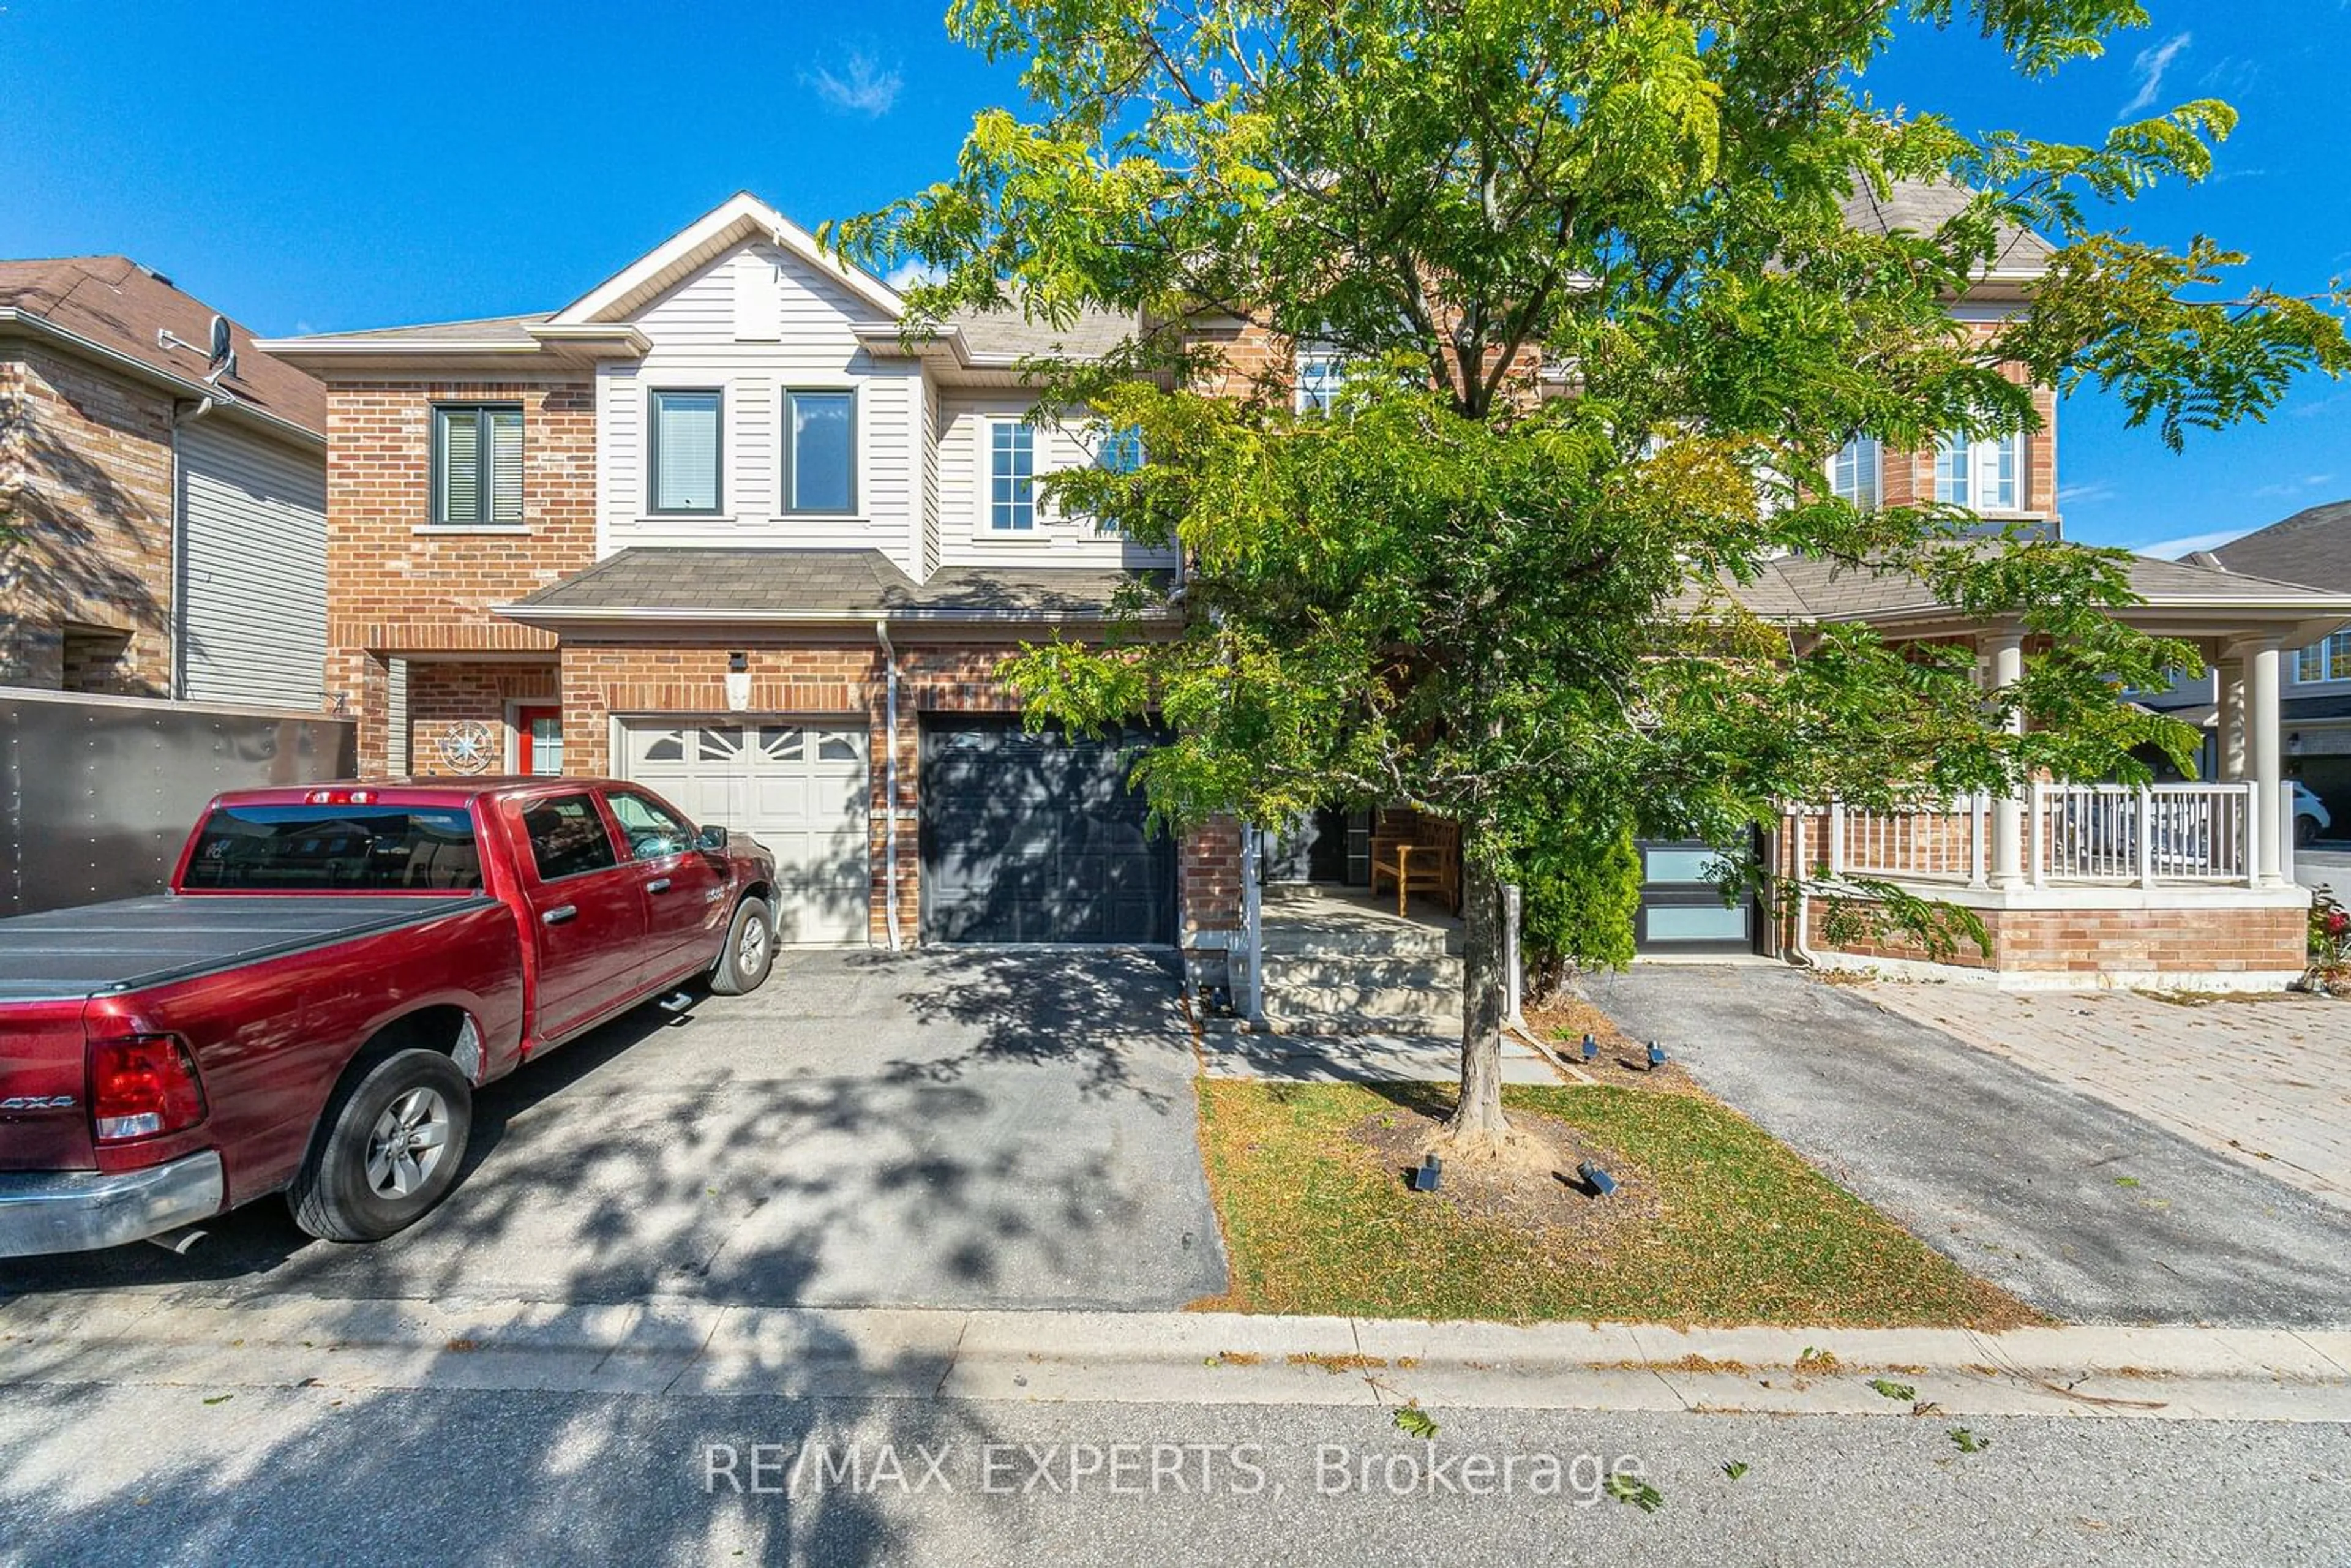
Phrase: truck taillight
(141, 1086)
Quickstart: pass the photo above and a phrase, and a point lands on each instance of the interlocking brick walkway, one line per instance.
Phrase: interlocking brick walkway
(2266, 1082)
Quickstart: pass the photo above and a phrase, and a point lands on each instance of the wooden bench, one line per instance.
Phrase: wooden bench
(1419, 854)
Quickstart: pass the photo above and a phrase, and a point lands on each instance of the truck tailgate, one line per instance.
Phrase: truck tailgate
(43, 1120)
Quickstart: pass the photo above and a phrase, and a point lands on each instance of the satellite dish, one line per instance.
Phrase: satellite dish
(222, 353)
(227, 366)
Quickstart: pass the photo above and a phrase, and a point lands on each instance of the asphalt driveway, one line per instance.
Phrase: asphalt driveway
(963, 1128)
(2081, 1208)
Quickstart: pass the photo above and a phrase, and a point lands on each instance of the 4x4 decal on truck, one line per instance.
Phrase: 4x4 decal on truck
(37, 1103)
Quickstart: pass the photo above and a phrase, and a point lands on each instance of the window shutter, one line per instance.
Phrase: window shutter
(461, 465)
(687, 451)
(506, 465)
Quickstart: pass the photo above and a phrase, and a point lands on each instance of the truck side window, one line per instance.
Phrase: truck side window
(567, 837)
(651, 832)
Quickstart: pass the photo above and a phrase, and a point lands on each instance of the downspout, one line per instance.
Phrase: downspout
(890, 773)
(176, 619)
(1804, 890)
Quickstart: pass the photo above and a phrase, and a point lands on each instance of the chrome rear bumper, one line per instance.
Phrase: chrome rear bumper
(78, 1211)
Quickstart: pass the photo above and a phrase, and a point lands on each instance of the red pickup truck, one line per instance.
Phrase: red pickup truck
(334, 971)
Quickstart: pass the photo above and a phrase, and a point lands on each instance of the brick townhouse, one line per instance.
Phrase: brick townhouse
(717, 527)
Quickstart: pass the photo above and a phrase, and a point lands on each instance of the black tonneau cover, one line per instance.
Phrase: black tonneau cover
(131, 942)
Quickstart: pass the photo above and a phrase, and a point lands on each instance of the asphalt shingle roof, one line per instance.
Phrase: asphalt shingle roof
(2312, 547)
(114, 302)
(1795, 587)
(850, 584)
(1918, 208)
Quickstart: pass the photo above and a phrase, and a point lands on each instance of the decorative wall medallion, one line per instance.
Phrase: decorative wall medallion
(468, 746)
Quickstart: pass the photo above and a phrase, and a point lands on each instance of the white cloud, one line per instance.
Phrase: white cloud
(863, 85)
(2172, 549)
(2295, 486)
(913, 270)
(2087, 495)
(2151, 65)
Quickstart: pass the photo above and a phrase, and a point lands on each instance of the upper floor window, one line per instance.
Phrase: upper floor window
(819, 452)
(1855, 471)
(1121, 450)
(2327, 661)
(1011, 475)
(684, 443)
(1985, 473)
(1319, 373)
(476, 464)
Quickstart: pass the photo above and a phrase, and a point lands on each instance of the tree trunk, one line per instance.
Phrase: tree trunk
(1478, 1122)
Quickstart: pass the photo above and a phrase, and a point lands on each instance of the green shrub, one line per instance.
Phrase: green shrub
(1578, 905)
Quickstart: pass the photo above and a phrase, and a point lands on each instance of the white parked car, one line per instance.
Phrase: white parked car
(2310, 814)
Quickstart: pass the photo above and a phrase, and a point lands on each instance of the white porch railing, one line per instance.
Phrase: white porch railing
(2103, 834)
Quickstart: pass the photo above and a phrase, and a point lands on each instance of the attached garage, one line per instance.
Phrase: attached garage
(797, 786)
(1037, 838)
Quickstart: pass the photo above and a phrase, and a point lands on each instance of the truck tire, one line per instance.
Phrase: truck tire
(393, 1140)
(749, 952)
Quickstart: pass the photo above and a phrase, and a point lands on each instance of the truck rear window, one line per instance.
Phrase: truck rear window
(337, 849)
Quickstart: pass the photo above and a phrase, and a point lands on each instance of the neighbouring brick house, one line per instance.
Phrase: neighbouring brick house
(162, 510)
(719, 527)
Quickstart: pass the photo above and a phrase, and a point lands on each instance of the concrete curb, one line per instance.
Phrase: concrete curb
(689, 1348)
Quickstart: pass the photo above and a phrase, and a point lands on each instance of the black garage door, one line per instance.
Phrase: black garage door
(1036, 838)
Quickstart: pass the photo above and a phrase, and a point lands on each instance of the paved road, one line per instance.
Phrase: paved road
(952, 1128)
(302, 1476)
(2085, 1211)
(2326, 864)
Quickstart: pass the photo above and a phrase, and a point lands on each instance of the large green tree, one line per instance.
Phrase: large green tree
(1521, 609)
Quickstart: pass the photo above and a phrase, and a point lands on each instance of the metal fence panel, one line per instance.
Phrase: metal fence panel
(97, 794)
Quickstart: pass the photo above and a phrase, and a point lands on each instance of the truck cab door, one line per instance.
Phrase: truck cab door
(587, 913)
(686, 909)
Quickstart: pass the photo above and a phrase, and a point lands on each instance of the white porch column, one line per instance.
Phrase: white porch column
(2268, 753)
(2006, 649)
(2229, 730)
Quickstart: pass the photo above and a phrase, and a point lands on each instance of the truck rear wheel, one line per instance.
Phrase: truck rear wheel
(395, 1135)
(749, 953)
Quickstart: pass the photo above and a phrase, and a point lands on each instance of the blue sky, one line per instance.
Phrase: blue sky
(322, 166)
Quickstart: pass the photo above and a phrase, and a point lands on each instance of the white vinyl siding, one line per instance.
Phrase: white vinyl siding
(696, 342)
(253, 573)
(1985, 474)
(966, 534)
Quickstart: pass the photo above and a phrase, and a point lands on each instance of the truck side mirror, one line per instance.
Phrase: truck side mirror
(712, 839)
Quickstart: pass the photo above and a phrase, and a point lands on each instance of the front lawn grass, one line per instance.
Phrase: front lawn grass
(1737, 1228)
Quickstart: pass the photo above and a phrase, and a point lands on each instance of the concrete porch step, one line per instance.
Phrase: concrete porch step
(1319, 939)
(1368, 1000)
(1285, 1016)
(1286, 971)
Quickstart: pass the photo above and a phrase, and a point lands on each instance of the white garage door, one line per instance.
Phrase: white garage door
(799, 787)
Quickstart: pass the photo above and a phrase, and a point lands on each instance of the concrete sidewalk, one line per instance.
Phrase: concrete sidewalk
(685, 1348)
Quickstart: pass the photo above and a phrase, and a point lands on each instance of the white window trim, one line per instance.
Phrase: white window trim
(1299, 401)
(1877, 478)
(2331, 671)
(1982, 458)
(1041, 522)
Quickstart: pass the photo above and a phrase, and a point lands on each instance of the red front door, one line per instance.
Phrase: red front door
(539, 741)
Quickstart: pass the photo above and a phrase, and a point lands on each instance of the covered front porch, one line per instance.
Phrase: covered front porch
(2178, 885)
